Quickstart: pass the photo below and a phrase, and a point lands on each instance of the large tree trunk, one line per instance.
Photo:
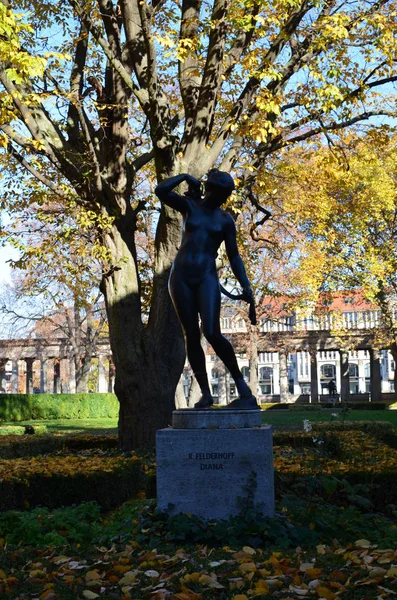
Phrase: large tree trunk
(148, 361)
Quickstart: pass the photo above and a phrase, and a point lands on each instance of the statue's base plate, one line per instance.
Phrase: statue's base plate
(215, 419)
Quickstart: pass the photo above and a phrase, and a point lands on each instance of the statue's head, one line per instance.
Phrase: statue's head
(219, 184)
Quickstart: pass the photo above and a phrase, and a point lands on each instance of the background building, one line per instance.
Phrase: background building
(342, 320)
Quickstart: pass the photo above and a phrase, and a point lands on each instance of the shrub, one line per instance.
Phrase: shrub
(12, 430)
(274, 406)
(30, 445)
(305, 407)
(356, 405)
(25, 407)
(63, 480)
(35, 429)
(40, 527)
(22, 429)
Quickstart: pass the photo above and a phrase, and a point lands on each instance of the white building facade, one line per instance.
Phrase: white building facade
(344, 313)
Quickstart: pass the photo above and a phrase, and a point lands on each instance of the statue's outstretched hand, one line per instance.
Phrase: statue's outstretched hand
(247, 294)
(252, 312)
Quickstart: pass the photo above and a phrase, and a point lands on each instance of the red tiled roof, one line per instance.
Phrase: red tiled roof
(344, 300)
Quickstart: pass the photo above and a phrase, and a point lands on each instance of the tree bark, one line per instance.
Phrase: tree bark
(147, 372)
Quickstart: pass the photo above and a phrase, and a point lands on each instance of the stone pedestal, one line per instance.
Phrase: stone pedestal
(207, 459)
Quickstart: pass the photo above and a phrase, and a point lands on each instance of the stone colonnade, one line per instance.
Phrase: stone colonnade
(297, 364)
(52, 375)
(375, 375)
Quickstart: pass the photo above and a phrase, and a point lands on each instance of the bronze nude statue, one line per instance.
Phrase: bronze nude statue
(194, 284)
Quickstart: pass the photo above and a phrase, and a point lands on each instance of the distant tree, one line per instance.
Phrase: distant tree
(24, 315)
(347, 209)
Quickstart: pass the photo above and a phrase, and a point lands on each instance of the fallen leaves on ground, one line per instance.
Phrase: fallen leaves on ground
(200, 572)
(359, 453)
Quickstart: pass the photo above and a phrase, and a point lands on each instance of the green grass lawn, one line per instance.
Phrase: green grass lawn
(280, 419)
(286, 419)
(64, 426)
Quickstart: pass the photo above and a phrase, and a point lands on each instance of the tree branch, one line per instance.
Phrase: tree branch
(134, 52)
(37, 174)
(290, 26)
(36, 120)
(142, 160)
(159, 115)
(334, 126)
(211, 81)
(76, 83)
(17, 137)
(189, 79)
(240, 44)
(114, 61)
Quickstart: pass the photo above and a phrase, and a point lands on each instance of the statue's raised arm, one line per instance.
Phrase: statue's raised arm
(164, 191)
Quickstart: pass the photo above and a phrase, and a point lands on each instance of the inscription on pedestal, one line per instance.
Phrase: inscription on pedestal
(205, 472)
(206, 456)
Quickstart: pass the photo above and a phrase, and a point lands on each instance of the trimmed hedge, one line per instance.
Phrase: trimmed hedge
(12, 430)
(305, 407)
(275, 406)
(298, 406)
(22, 429)
(25, 407)
(357, 405)
(31, 445)
(109, 489)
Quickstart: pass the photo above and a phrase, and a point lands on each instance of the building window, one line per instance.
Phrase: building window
(246, 373)
(353, 378)
(328, 371)
(214, 374)
(266, 380)
(353, 370)
(215, 390)
(232, 390)
(305, 388)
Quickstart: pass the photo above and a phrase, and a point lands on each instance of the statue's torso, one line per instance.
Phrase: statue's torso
(202, 233)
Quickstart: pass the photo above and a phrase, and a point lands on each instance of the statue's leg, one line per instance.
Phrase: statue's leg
(185, 302)
(209, 307)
